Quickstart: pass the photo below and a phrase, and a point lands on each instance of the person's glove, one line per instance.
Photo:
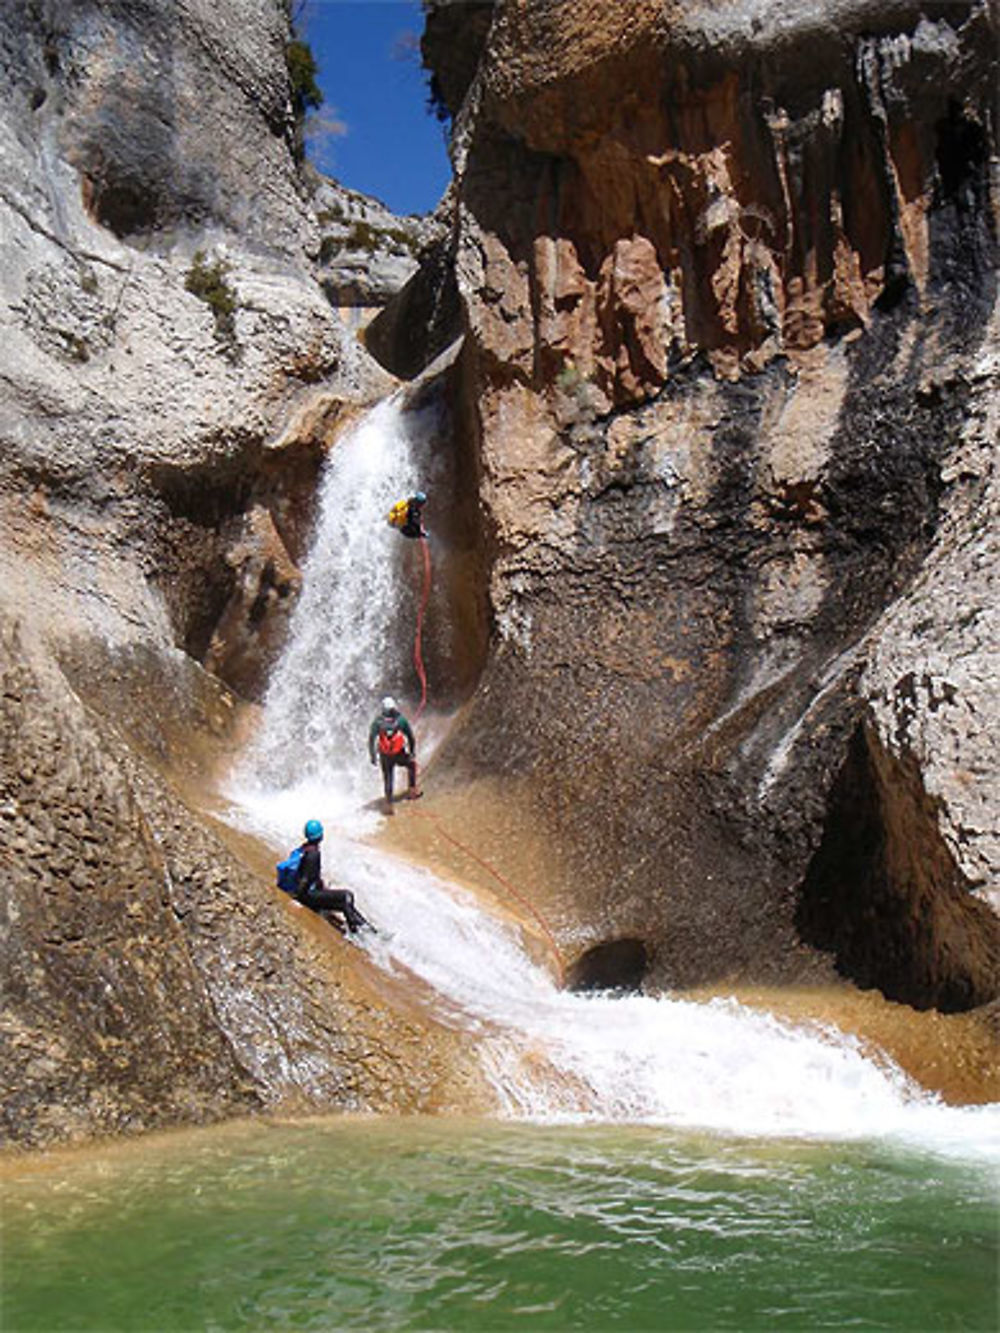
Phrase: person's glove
(373, 759)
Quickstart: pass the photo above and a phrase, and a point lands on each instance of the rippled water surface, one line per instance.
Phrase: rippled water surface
(441, 1225)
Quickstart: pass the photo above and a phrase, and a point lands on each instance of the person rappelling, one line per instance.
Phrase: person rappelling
(391, 743)
(407, 516)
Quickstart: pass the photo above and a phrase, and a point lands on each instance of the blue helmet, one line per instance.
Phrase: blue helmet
(420, 498)
(313, 830)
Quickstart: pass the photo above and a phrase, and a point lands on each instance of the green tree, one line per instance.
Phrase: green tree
(307, 95)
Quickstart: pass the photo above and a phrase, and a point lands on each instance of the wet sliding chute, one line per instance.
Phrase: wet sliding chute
(507, 886)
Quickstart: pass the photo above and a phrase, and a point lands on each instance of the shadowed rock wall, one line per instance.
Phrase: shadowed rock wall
(728, 285)
(884, 894)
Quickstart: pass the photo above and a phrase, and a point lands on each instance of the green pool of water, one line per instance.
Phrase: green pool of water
(401, 1224)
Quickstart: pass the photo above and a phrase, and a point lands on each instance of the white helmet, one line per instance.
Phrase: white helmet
(389, 704)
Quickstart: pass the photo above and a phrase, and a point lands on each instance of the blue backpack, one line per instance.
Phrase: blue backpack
(288, 871)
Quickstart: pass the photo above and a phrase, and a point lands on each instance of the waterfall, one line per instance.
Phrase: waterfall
(548, 1053)
(351, 633)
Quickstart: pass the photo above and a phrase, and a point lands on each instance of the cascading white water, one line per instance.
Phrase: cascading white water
(350, 634)
(555, 1055)
(548, 1053)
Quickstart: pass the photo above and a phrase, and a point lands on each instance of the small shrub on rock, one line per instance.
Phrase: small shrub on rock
(302, 70)
(329, 247)
(306, 94)
(208, 280)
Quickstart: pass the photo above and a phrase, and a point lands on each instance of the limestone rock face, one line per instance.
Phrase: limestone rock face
(367, 252)
(171, 366)
(929, 682)
(732, 180)
(728, 282)
(164, 111)
(172, 377)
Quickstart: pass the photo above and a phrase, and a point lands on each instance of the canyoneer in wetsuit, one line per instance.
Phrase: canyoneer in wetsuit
(408, 515)
(310, 890)
(391, 743)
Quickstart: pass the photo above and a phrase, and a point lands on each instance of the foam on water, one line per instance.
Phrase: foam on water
(548, 1053)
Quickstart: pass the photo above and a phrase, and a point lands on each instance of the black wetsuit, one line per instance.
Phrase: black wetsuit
(312, 893)
(406, 758)
(390, 762)
(414, 526)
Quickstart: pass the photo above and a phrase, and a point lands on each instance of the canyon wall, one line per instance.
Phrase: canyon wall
(172, 371)
(172, 376)
(727, 281)
(719, 285)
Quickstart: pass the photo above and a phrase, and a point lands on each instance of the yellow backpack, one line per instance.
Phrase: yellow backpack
(396, 516)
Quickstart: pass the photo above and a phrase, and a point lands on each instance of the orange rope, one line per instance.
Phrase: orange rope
(502, 879)
(418, 660)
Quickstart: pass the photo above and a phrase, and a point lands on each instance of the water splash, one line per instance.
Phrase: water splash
(554, 1055)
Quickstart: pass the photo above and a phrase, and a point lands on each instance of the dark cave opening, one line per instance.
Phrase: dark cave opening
(126, 208)
(617, 965)
(962, 160)
(884, 896)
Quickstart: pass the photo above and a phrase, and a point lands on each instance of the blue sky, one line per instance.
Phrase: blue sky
(380, 139)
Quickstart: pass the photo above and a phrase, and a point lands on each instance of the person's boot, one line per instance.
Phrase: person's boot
(352, 916)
